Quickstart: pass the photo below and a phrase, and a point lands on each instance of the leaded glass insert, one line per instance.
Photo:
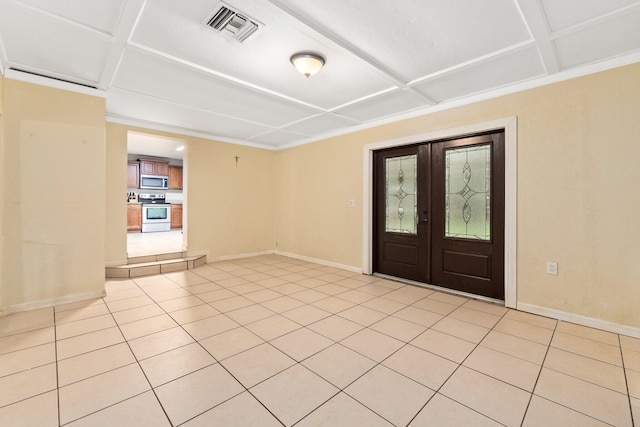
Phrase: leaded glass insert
(468, 192)
(400, 194)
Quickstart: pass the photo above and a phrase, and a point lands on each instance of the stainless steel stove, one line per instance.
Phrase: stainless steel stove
(156, 213)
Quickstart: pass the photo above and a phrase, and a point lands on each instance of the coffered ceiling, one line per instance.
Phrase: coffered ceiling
(160, 65)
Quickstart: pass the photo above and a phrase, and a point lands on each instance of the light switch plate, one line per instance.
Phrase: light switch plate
(352, 203)
(552, 267)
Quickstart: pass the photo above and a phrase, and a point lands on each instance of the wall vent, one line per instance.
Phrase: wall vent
(232, 23)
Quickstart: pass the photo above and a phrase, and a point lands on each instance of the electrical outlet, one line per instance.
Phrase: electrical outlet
(552, 267)
(352, 203)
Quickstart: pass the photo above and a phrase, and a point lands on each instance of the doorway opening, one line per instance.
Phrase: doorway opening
(456, 262)
(156, 194)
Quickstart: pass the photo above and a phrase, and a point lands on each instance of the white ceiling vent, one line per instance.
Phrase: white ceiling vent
(232, 23)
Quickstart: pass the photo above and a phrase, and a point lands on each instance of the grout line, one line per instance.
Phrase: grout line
(626, 381)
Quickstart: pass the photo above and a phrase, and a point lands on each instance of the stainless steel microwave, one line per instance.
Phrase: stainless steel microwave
(154, 182)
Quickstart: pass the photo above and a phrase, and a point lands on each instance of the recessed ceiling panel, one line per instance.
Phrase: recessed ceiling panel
(43, 44)
(139, 107)
(99, 14)
(321, 124)
(419, 37)
(609, 39)
(150, 74)
(395, 102)
(565, 13)
(278, 138)
(493, 74)
(178, 29)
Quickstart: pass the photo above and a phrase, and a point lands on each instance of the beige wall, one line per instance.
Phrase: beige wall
(53, 178)
(577, 175)
(229, 209)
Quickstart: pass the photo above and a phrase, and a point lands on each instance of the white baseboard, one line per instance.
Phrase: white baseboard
(240, 256)
(320, 261)
(51, 302)
(616, 328)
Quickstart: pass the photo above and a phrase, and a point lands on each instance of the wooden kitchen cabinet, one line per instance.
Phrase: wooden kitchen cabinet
(150, 167)
(133, 175)
(134, 217)
(176, 217)
(175, 177)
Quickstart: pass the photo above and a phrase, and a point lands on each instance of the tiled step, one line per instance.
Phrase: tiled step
(155, 264)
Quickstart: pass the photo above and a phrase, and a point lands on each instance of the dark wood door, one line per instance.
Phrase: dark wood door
(439, 213)
(468, 214)
(400, 213)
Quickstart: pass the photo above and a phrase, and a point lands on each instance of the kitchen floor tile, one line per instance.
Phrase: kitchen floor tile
(88, 342)
(426, 368)
(585, 368)
(282, 304)
(384, 305)
(306, 314)
(460, 329)
(229, 304)
(526, 330)
(590, 333)
(242, 410)
(343, 411)
(444, 412)
(339, 365)
(389, 394)
(475, 317)
(192, 314)
(333, 305)
(587, 347)
(372, 344)
(29, 358)
(257, 364)
(444, 345)
(17, 323)
(598, 402)
(293, 393)
(435, 306)
(196, 393)
(24, 340)
(147, 326)
(142, 410)
(491, 397)
(231, 342)
(400, 329)
(515, 346)
(83, 313)
(509, 369)
(87, 396)
(250, 314)
(335, 327)
(175, 363)
(273, 327)
(26, 384)
(180, 303)
(362, 315)
(157, 343)
(38, 411)
(133, 314)
(301, 343)
(93, 363)
(210, 326)
(543, 412)
(633, 383)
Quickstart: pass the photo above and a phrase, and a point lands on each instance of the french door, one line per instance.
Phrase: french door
(439, 213)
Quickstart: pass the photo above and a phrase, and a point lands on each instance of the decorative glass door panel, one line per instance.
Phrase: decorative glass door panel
(401, 194)
(468, 192)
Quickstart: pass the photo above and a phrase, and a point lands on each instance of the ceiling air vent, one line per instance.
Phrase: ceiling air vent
(233, 24)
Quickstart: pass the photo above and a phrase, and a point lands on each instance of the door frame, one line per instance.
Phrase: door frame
(509, 124)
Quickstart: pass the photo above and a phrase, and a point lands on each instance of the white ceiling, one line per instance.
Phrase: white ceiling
(160, 66)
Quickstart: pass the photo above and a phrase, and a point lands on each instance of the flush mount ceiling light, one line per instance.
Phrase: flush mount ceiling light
(307, 63)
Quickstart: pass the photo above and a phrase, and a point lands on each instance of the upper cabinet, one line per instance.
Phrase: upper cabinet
(150, 167)
(133, 175)
(175, 177)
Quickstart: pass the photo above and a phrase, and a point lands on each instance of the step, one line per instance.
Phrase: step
(155, 264)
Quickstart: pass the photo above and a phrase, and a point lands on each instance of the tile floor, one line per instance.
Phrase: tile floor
(141, 244)
(272, 341)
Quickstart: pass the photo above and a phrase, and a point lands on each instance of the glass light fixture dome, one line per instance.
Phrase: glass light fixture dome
(307, 63)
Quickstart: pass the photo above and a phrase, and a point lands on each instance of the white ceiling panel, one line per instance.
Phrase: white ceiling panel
(278, 138)
(321, 124)
(41, 43)
(264, 59)
(492, 74)
(417, 38)
(388, 104)
(168, 80)
(153, 145)
(565, 13)
(162, 67)
(99, 14)
(130, 105)
(611, 38)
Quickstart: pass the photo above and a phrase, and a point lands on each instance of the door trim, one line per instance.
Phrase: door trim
(509, 124)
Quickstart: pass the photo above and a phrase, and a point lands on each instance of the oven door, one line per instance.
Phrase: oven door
(156, 218)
